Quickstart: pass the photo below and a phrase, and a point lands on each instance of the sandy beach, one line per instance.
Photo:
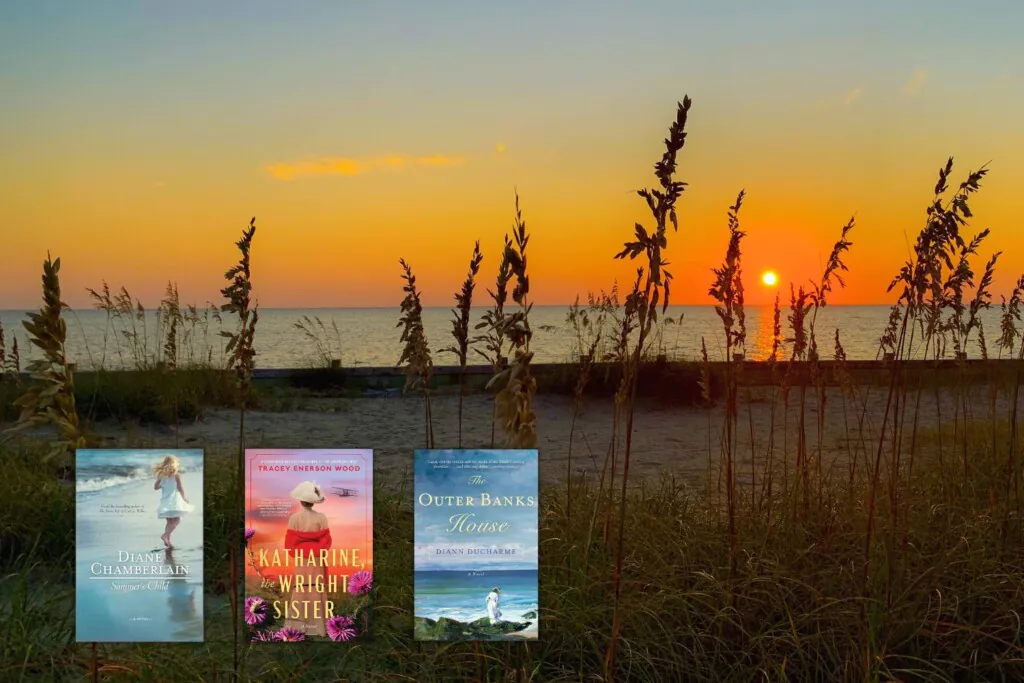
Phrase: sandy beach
(117, 527)
(666, 439)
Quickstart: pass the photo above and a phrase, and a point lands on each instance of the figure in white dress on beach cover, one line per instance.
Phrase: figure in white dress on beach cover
(173, 503)
(493, 609)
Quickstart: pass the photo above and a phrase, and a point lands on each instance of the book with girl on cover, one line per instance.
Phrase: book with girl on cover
(139, 545)
(476, 572)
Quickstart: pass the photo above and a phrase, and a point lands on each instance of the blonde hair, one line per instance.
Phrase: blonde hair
(167, 468)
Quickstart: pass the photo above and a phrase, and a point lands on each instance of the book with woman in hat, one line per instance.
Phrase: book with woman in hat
(308, 534)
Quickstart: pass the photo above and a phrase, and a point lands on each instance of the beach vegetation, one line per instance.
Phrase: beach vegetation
(461, 320)
(50, 400)
(323, 339)
(416, 356)
(896, 555)
(514, 384)
(241, 359)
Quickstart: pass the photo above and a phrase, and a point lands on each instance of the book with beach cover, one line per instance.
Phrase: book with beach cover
(475, 570)
(139, 545)
(309, 544)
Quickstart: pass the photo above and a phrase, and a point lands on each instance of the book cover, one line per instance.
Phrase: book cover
(476, 545)
(139, 546)
(309, 544)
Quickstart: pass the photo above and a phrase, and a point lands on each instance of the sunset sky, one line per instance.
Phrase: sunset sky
(139, 139)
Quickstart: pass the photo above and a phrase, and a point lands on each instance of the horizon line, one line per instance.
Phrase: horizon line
(35, 308)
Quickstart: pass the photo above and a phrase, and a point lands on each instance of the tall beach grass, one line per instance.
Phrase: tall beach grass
(900, 558)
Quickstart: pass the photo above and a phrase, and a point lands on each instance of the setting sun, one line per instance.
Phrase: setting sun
(769, 278)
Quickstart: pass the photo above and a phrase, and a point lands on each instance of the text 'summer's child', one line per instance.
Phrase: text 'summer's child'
(309, 544)
(476, 545)
(139, 546)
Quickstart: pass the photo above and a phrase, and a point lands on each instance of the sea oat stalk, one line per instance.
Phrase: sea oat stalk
(727, 290)
(494, 322)
(515, 384)
(920, 277)
(241, 358)
(50, 400)
(460, 326)
(656, 289)
(419, 366)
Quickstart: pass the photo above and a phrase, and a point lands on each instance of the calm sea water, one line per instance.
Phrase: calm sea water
(369, 337)
(462, 595)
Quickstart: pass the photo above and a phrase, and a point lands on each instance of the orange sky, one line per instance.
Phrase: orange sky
(414, 150)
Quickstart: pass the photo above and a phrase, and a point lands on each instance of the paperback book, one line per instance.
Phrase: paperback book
(476, 569)
(139, 546)
(309, 544)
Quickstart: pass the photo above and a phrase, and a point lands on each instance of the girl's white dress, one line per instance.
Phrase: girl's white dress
(171, 502)
(492, 607)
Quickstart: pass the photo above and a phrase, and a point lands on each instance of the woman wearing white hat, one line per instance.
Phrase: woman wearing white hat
(307, 535)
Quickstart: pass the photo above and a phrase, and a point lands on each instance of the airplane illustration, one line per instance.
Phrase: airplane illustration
(344, 493)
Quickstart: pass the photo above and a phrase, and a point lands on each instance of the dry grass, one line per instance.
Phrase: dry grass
(326, 343)
(493, 324)
(50, 400)
(461, 319)
(727, 290)
(10, 363)
(174, 320)
(644, 301)
(515, 386)
(181, 338)
(242, 357)
(419, 366)
(589, 330)
(907, 565)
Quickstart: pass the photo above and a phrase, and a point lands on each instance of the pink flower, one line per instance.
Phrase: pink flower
(249, 533)
(290, 635)
(341, 628)
(262, 636)
(255, 611)
(360, 583)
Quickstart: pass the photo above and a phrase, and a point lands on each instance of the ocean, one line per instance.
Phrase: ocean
(115, 512)
(369, 336)
(462, 595)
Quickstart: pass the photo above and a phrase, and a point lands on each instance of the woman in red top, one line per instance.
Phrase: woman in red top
(309, 603)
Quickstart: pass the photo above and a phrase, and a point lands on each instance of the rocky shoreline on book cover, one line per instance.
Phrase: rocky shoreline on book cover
(139, 545)
(476, 570)
(309, 544)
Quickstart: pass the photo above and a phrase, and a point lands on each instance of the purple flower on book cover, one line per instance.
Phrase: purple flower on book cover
(290, 635)
(341, 628)
(263, 636)
(249, 533)
(255, 610)
(360, 583)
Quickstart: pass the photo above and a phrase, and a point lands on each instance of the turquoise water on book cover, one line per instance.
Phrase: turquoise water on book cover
(462, 595)
(117, 527)
(476, 530)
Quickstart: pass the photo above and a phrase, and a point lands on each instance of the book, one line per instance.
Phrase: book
(139, 545)
(475, 567)
(308, 543)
